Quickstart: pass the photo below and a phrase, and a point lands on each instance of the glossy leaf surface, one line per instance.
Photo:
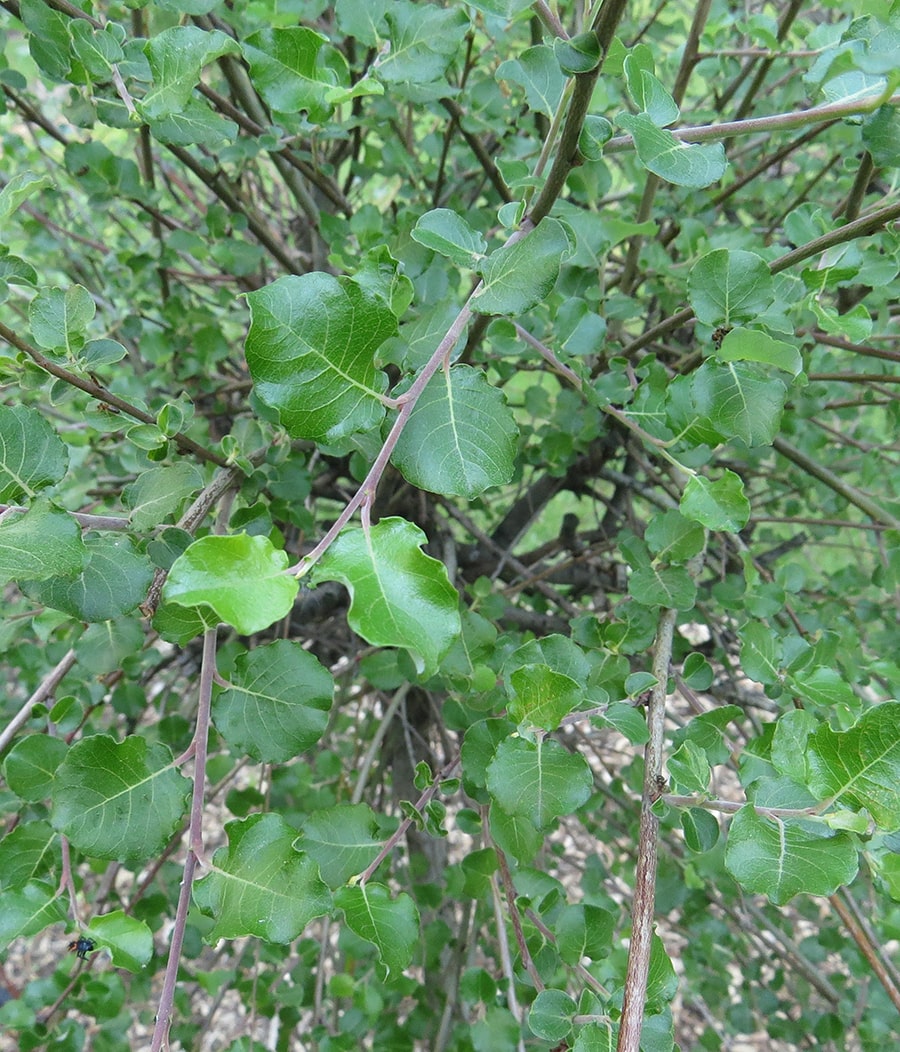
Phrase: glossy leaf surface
(400, 597)
(102, 784)
(390, 923)
(461, 437)
(278, 703)
(241, 578)
(260, 885)
(310, 352)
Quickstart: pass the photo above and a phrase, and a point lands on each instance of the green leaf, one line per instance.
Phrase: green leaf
(189, 7)
(538, 780)
(629, 721)
(719, 505)
(823, 686)
(32, 848)
(595, 134)
(97, 353)
(31, 765)
(668, 586)
(399, 597)
(584, 930)
(708, 732)
(517, 277)
(792, 732)
(177, 624)
(423, 40)
(40, 543)
(32, 454)
(557, 652)
(550, 1015)
(158, 492)
(176, 57)
(578, 54)
(541, 697)
(760, 653)
(782, 858)
(49, 41)
(515, 835)
(129, 941)
(673, 538)
(278, 703)
(695, 165)
(194, 124)
(113, 581)
(59, 318)
(698, 672)
(342, 839)
(752, 346)
(103, 784)
(362, 19)
(729, 286)
(861, 767)
(502, 8)
(14, 271)
(461, 438)
(662, 982)
(638, 683)
(740, 400)
(701, 830)
(19, 187)
(391, 925)
(538, 72)
(97, 49)
(241, 578)
(285, 67)
(28, 910)
(881, 136)
(689, 768)
(337, 96)
(310, 351)
(107, 645)
(648, 93)
(446, 232)
(260, 884)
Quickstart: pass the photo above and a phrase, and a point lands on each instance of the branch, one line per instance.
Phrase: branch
(833, 482)
(400, 832)
(45, 690)
(855, 925)
(510, 892)
(566, 159)
(863, 227)
(477, 147)
(216, 182)
(777, 121)
(645, 876)
(95, 390)
(366, 491)
(195, 842)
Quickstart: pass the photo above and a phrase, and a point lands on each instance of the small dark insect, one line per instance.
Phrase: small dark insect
(82, 946)
(719, 335)
(661, 784)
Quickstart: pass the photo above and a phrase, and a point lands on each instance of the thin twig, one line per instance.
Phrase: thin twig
(834, 482)
(863, 227)
(195, 843)
(645, 875)
(95, 390)
(400, 832)
(44, 691)
(510, 891)
(862, 936)
(775, 122)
